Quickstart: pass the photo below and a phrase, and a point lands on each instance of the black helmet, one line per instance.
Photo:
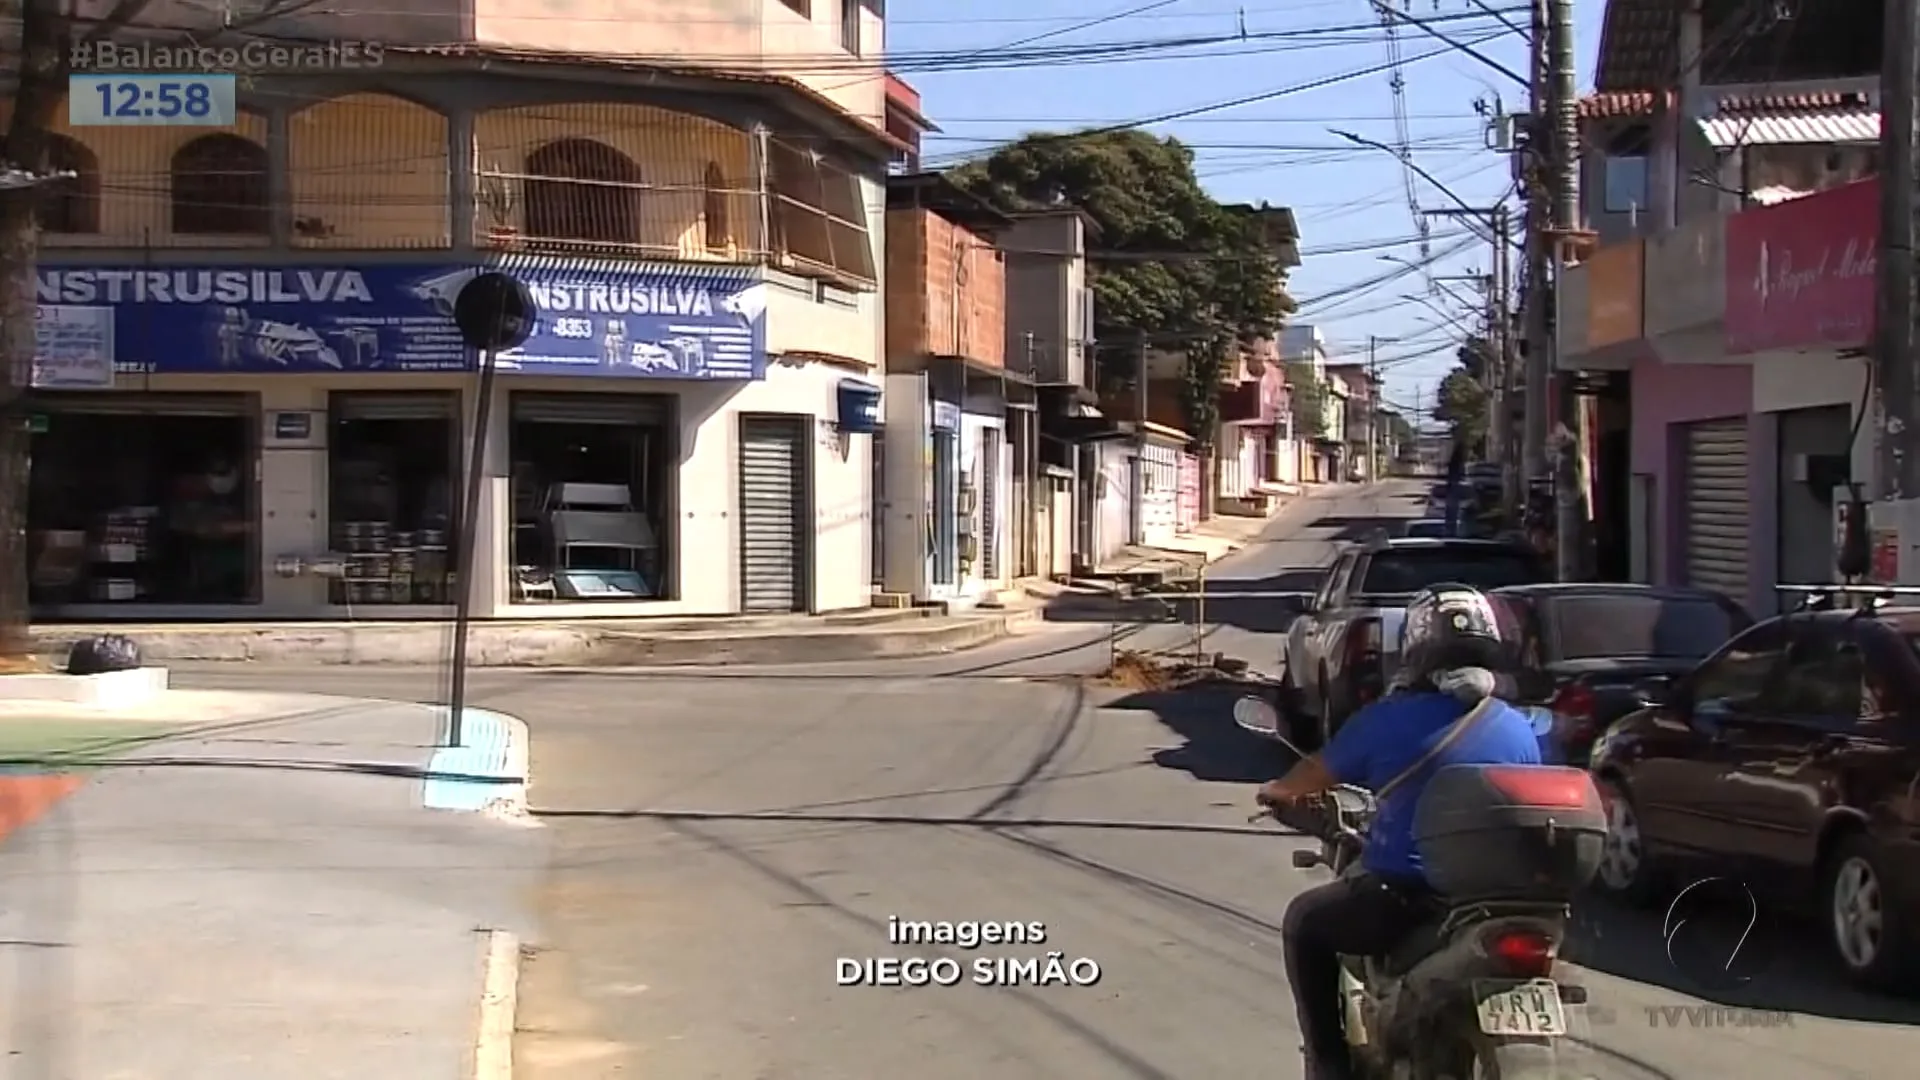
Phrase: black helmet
(1453, 626)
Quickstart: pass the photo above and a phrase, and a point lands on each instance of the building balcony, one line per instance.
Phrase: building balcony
(373, 171)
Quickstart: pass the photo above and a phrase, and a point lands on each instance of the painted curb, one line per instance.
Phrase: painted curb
(515, 646)
(499, 1007)
(494, 753)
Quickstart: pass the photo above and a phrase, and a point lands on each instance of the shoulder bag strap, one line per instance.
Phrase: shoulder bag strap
(1454, 733)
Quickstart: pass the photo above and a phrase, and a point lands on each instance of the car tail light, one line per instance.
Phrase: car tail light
(1363, 658)
(1575, 702)
(1523, 954)
(1544, 786)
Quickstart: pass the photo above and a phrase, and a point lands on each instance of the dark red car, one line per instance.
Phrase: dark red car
(1790, 761)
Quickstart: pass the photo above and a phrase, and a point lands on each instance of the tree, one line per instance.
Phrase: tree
(1462, 406)
(1475, 356)
(1186, 272)
(47, 36)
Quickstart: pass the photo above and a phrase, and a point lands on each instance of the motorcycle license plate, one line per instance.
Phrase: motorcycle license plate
(1529, 1008)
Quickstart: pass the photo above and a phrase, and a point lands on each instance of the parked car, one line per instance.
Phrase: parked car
(1340, 652)
(1789, 759)
(1596, 650)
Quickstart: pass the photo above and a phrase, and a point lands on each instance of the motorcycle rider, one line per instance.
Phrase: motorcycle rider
(1454, 652)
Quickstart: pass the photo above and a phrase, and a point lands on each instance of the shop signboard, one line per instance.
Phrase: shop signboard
(251, 319)
(1800, 274)
(73, 348)
(657, 322)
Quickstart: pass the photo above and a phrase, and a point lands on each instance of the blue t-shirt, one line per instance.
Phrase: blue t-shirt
(1380, 741)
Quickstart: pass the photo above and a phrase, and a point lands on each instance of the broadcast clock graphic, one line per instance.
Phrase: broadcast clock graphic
(152, 100)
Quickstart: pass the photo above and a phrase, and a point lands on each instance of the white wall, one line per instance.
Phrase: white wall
(1787, 381)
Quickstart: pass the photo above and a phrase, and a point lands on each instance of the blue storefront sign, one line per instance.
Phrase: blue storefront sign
(660, 321)
(197, 319)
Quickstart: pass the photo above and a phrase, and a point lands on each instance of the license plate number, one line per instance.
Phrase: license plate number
(1529, 1008)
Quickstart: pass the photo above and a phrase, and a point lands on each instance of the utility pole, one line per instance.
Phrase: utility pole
(1570, 479)
(1500, 363)
(1137, 478)
(1896, 462)
(1534, 173)
(1373, 408)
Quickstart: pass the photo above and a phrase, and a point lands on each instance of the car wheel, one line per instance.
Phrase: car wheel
(1627, 871)
(1864, 927)
(1300, 729)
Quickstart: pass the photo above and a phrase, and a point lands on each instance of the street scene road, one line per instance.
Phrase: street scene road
(725, 840)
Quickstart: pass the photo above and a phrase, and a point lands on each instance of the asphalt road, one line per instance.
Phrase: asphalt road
(723, 839)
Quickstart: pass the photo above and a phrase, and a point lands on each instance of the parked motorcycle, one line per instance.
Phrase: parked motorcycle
(1474, 992)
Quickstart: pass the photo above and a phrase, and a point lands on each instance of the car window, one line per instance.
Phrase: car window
(1409, 570)
(1738, 677)
(1331, 586)
(1822, 676)
(1635, 624)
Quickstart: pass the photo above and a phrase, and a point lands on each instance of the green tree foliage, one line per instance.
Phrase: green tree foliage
(1175, 265)
(1463, 407)
(1475, 355)
(1309, 396)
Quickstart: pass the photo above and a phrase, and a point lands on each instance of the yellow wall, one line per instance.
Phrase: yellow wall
(671, 150)
(371, 169)
(135, 163)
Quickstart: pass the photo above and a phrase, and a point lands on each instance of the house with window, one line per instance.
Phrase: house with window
(1717, 327)
(251, 400)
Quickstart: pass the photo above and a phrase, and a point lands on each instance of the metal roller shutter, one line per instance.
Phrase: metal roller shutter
(772, 538)
(420, 405)
(592, 408)
(989, 504)
(148, 404)
(1716, 507)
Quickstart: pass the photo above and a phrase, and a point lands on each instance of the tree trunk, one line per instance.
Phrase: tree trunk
(41, 86)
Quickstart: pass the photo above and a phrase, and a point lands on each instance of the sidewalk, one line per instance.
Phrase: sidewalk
(795, 639)
(260, 894)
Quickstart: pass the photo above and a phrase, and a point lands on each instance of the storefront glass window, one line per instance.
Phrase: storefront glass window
(592, 516)
(148, 502)
(390, 467)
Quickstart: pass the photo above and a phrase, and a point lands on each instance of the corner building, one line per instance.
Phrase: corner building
(251, 402)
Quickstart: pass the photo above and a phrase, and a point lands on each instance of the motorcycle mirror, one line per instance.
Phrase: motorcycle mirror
(1257, 715)
(1306, 859)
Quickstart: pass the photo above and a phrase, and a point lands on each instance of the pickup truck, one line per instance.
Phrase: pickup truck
(1339, 653)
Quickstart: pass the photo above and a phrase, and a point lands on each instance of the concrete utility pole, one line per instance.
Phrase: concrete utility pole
(1534, 171)
(1897, 464)
(1500, 364)
(1372, 405)
(1137, 478)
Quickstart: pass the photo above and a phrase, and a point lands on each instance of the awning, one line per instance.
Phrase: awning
(1800, 127)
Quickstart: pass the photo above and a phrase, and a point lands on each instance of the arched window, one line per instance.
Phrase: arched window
(71, 206)
(714, 210)
(581, 189)
(220, 187)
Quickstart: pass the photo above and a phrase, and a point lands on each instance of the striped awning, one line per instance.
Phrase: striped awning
(1811, 127)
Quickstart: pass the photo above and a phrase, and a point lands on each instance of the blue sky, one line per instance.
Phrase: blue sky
(1280, 150)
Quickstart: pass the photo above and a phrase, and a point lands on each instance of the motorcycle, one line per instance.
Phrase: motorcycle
(1472, 993)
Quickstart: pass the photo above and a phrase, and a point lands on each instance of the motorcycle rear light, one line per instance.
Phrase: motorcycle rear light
(1549, 787)
(1525, 954)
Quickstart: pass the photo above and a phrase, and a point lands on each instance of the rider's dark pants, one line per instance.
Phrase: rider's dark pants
(1354, 916)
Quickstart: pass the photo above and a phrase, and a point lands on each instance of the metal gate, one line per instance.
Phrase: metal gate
(1715, 506)
(989, 504)
(1186, 510)
(773, 504)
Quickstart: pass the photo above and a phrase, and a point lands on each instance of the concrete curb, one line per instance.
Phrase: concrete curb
(520, 645)
(499, 1007)
(489, 773)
